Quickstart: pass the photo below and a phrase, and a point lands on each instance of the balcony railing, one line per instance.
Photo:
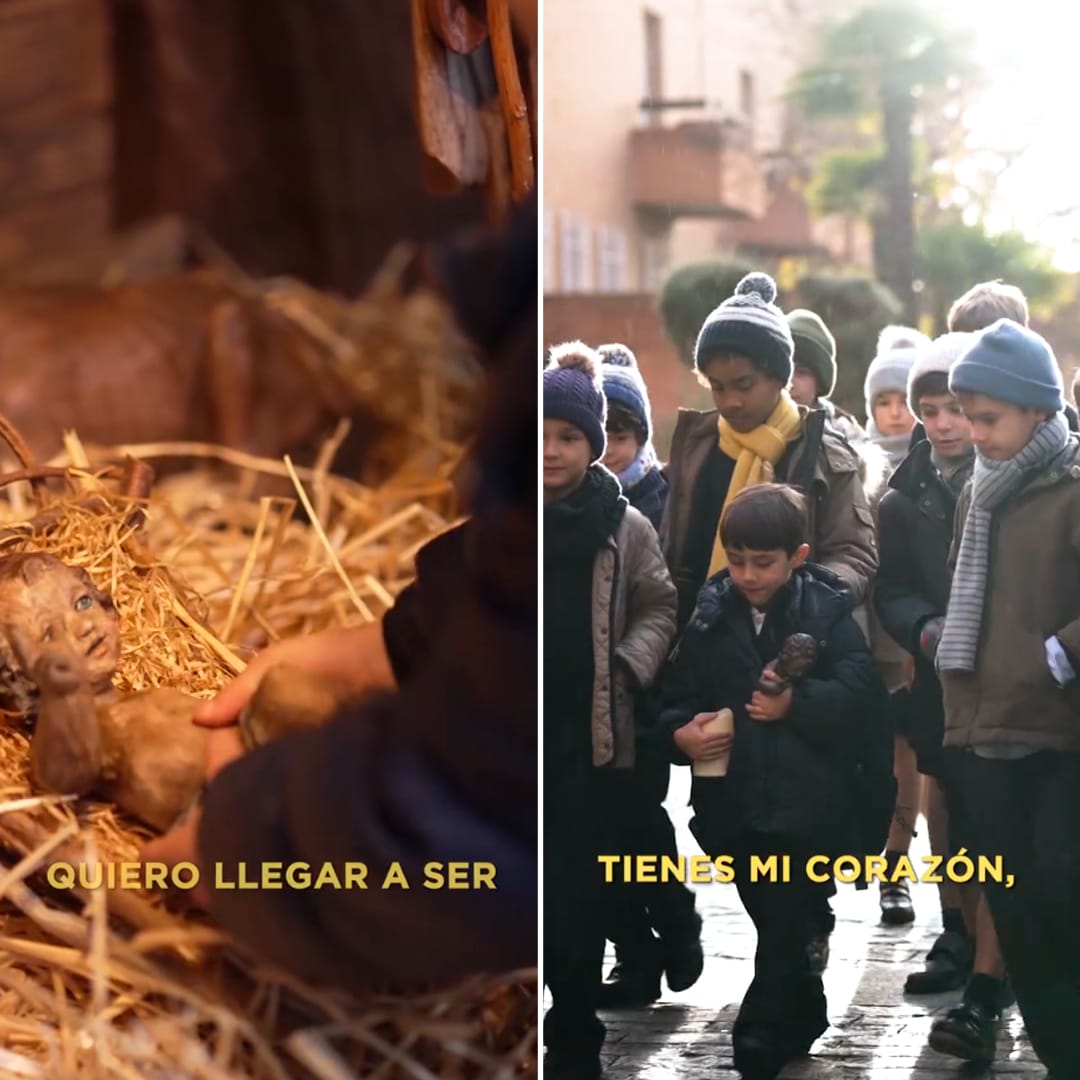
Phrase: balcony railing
(698, 168)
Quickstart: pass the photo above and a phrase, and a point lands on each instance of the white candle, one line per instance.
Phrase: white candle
(722, 723)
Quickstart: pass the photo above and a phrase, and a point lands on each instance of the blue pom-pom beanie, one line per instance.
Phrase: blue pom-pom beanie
(1010, 363)
(573, 392)
(624, 385)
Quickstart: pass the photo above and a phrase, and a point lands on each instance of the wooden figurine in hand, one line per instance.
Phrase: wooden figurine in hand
(59, 648)
(797, 657)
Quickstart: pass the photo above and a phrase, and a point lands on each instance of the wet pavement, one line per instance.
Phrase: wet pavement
(876, 1031)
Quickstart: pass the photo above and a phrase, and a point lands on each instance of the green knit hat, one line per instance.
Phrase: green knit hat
(815, 348)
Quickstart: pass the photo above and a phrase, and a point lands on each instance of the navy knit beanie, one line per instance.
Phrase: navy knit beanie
(750, 323)
(624, 385)
(1010, 363)
(573, 392)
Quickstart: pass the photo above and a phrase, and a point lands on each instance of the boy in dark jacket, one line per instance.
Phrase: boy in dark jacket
(667, 907)
(1008, 657)
(609, 617)
(630, 454)
(911, 596)
(789, 786)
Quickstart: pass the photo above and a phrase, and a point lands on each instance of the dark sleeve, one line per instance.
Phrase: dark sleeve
(418, 614)
(845, 538)
(443, 770)
(403, 634)
(827, 709)
(900, 606)
(685, 692)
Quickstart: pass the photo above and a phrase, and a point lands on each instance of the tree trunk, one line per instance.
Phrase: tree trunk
(894, 227)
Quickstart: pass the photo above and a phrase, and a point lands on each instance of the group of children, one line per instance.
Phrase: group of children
(929, 564)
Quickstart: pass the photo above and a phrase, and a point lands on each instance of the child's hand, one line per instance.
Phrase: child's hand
(768, 707)
(180, 844)
(699, 745)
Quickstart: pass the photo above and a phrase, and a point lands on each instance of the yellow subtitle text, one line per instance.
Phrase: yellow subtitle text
(848, 869)
(270, 875)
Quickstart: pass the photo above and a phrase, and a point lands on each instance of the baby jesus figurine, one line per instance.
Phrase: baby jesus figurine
(797, 657)
(59, 648)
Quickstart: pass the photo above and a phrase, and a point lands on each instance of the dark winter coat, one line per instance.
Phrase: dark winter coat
(613, 608)
(793, 777)
(915, 521)
(445, 767)
(1032, 593)
(649, 496)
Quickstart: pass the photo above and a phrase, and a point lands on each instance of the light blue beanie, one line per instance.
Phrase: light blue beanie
(1010, 363)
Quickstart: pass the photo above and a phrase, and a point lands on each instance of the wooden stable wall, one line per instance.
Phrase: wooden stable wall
(284, 128)
(55, 129)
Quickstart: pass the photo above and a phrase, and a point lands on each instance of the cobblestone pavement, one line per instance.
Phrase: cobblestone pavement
(876, 1032)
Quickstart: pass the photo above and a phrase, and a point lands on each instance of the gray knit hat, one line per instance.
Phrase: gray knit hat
(750, 323)
(937, 358)
(898, 348)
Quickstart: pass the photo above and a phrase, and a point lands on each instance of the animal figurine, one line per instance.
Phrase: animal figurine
(797, 657)
(59, 647)
(177, 358)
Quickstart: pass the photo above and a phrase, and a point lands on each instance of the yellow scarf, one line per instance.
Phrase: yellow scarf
(754, 453)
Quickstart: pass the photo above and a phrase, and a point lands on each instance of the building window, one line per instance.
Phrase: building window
(654, 262)
(611, 260)
(575, 255)
(549, 250)
(654, 63)
(746, 97)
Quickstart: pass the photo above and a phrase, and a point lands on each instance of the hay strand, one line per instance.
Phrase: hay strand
(108, 983)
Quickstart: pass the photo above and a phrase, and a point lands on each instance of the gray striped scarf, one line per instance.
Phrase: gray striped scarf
(992, 483)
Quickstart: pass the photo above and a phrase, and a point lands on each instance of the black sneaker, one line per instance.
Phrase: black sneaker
(573, 1046)
(968, 1031)
(947, 967)
(678, 926)
(896, 909)
(565, 1064)
(631, 984)
(684, 961)
(756, 1056)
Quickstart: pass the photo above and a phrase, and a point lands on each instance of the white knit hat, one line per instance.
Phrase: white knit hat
(939, 356)
(897, 349)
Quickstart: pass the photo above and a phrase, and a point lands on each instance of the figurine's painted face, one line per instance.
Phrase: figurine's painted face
(44, 603)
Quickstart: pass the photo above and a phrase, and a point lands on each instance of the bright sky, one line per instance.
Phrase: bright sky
(1030, 49)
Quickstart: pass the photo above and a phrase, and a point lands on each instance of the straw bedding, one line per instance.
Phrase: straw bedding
(117, 983)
